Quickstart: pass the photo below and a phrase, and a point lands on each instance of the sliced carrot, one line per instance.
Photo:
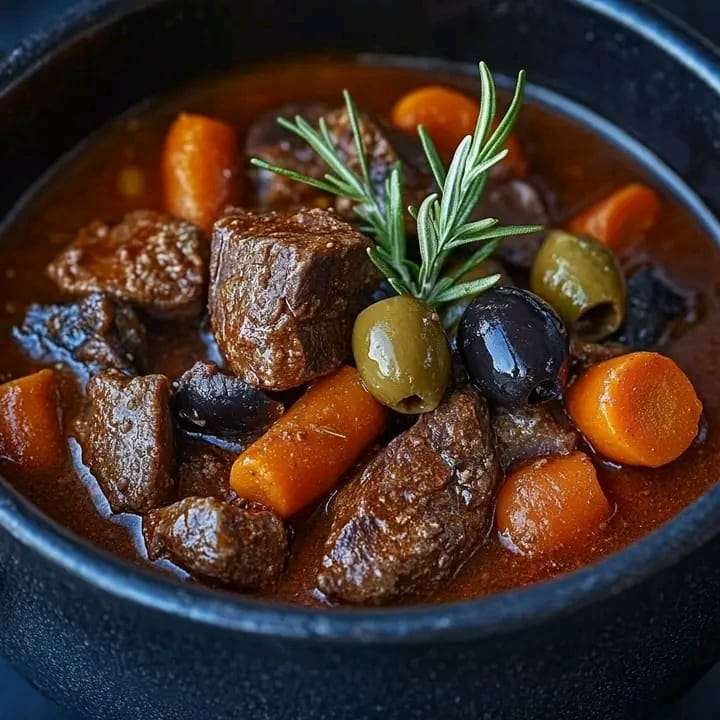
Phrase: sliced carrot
(448, 116)
(551, 503)
(200, 167)
(304, 454)
(30, 433)
(636, 409)
(621, 217)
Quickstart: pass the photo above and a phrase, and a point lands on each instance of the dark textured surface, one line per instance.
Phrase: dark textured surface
(687, 597)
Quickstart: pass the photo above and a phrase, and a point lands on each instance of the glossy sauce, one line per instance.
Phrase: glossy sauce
(574, 166)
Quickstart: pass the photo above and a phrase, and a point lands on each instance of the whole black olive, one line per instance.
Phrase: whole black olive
(514, 346)
(211, 402)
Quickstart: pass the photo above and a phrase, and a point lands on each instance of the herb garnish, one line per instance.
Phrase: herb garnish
(443, 218)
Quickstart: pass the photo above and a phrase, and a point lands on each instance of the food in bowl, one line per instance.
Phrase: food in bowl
(340, 360)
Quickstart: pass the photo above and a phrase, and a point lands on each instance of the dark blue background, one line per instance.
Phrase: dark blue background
(20, 702)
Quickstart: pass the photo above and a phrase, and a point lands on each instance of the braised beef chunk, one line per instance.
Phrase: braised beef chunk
(516, 202)
(241, 548)
(148, 259)
(269, 141)
(418, 510)
(384, 146)
(284, 292)
(584, 354)
(210, 401)
(128, 439)
(530, 432)
(90, 335)
(204, 471)
(654, 309)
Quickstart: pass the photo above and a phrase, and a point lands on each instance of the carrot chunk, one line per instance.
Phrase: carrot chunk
(551, 503)
(30, 433)
(200, 167)
(302, 456)
(448, 116)
(636, 409)
(621, 217)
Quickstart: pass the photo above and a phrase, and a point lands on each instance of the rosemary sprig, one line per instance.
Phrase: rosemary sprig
(443, 218)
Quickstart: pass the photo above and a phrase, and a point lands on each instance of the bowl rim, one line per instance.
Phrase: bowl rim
(500, 613)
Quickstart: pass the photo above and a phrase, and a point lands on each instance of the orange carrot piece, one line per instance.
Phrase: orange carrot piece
(304, 454)
(30, 433)
(621, 217)
(636, 409)
(448, 116)
(551, 503)
(200, 168)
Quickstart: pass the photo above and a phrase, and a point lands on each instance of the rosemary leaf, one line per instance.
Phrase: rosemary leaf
(299, 177)
(436, 165)
(494, 233)
(473, 287)
(480, 255)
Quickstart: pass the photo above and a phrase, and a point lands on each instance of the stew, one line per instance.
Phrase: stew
(228, 349)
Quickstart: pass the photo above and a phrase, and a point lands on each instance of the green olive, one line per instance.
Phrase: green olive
(580, 277)
(402, 354)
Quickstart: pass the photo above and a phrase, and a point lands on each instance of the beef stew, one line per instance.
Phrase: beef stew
(284, 292)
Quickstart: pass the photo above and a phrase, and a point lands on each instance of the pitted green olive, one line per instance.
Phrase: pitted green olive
(582, 280)
(402, 354)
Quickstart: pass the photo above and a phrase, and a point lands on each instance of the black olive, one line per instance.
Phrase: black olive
(654, 311)
(514, 346)
(211, 402)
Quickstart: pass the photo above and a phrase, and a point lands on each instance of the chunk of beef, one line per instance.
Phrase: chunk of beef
(585, 354)
(149, 259)
(90, 335)
(654, 309)
(127, 439)
(235, 546)
(270, 142)
(204, 471)
(284, 292)
(418, 510)
(516, 202)
(384, 146)
(210, 401)
(531, 432)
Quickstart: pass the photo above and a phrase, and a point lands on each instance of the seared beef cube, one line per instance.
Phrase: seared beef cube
(149, 259)
(654, 310)
(128, 439)
(284, 293)
(516, 202)
(269, 141)
(238, 547)
(210, 401)
(90, 335)
(204, 471)
(418, 510)
(384, 147)
(530, 432)
(585, 354)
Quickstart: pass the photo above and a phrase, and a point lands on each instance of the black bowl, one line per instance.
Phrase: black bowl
(612, 640)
